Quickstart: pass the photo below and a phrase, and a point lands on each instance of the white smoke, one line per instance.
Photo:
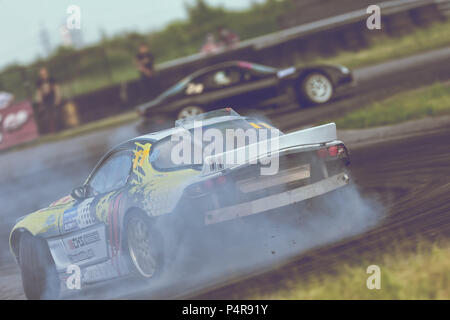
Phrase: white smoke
(245, 247)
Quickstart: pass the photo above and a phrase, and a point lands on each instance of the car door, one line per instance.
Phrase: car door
(223, 88)
(214, 89)
(260, 86)
(84, 236)
(238, 87)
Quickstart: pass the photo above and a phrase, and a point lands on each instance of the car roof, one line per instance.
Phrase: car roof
(156, 136)
(233, 63)
(159, 135)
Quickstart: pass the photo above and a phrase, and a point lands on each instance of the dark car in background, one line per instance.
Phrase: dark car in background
(241, 84)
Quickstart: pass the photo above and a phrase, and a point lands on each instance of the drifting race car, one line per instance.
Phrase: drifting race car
(247, 85)
(114, 225)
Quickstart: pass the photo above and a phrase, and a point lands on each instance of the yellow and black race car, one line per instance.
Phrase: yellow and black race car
(151, 187)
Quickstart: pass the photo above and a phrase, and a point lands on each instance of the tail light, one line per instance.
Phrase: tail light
(332, 151)
(221, 180)
(214, 182)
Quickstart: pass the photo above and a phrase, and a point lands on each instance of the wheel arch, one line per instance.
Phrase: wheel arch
(135, 209)
(310, 70)
(158, 222)
(14, 241)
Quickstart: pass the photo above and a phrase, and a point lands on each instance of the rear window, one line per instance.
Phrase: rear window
(161, 157)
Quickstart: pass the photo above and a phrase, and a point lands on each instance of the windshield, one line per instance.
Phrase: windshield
(190, 148)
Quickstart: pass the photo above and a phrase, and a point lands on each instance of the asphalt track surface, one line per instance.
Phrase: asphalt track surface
(408, 177)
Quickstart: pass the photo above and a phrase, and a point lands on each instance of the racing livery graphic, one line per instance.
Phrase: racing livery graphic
(115, 224)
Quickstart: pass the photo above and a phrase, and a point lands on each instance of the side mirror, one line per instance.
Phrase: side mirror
(79, 193)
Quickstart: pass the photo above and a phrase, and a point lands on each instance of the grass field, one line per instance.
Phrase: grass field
(421, 274)
(386, 48)
(433, 100)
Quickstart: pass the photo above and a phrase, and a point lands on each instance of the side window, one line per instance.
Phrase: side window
(248, 75)
(223, 78)
(253, 72)
(112, 174)
(214, 80)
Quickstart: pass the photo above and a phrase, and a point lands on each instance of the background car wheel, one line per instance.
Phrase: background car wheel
(190, 111)
(39, 276)
(316, 88)
(143, 246)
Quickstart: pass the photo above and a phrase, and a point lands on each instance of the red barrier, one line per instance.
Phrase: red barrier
(17, 124)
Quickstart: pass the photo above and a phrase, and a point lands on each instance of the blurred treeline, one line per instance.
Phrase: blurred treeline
(111, 61)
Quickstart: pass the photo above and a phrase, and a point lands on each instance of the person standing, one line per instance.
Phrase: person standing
(210, 46)
(227, 38)
(145, 66)
(48, 99)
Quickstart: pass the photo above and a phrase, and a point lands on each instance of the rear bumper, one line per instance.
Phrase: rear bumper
(277, 200)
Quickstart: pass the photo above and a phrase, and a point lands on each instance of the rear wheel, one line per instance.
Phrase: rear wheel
(143, 246)
(190, 111)
(39, 276)
(316, 88)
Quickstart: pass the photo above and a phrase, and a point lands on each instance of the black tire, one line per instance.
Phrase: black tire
(306, 96)
(39, 276)
(156, 246)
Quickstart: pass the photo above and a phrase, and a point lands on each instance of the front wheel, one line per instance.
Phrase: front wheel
(316, 88)
(39, 276)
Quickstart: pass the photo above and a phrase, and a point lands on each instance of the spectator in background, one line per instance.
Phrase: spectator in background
(210, 45)
(227, 39)
(144, 63)
(48, 99)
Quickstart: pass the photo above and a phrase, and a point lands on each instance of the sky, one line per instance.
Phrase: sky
(21, 21)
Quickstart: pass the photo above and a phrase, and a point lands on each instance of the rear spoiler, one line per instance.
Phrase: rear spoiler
(266, 148)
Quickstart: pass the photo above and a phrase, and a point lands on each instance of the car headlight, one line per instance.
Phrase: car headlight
(344, 70)
(286, 72)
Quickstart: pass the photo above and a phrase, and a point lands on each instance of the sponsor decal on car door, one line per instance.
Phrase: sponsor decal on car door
(84, 241)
